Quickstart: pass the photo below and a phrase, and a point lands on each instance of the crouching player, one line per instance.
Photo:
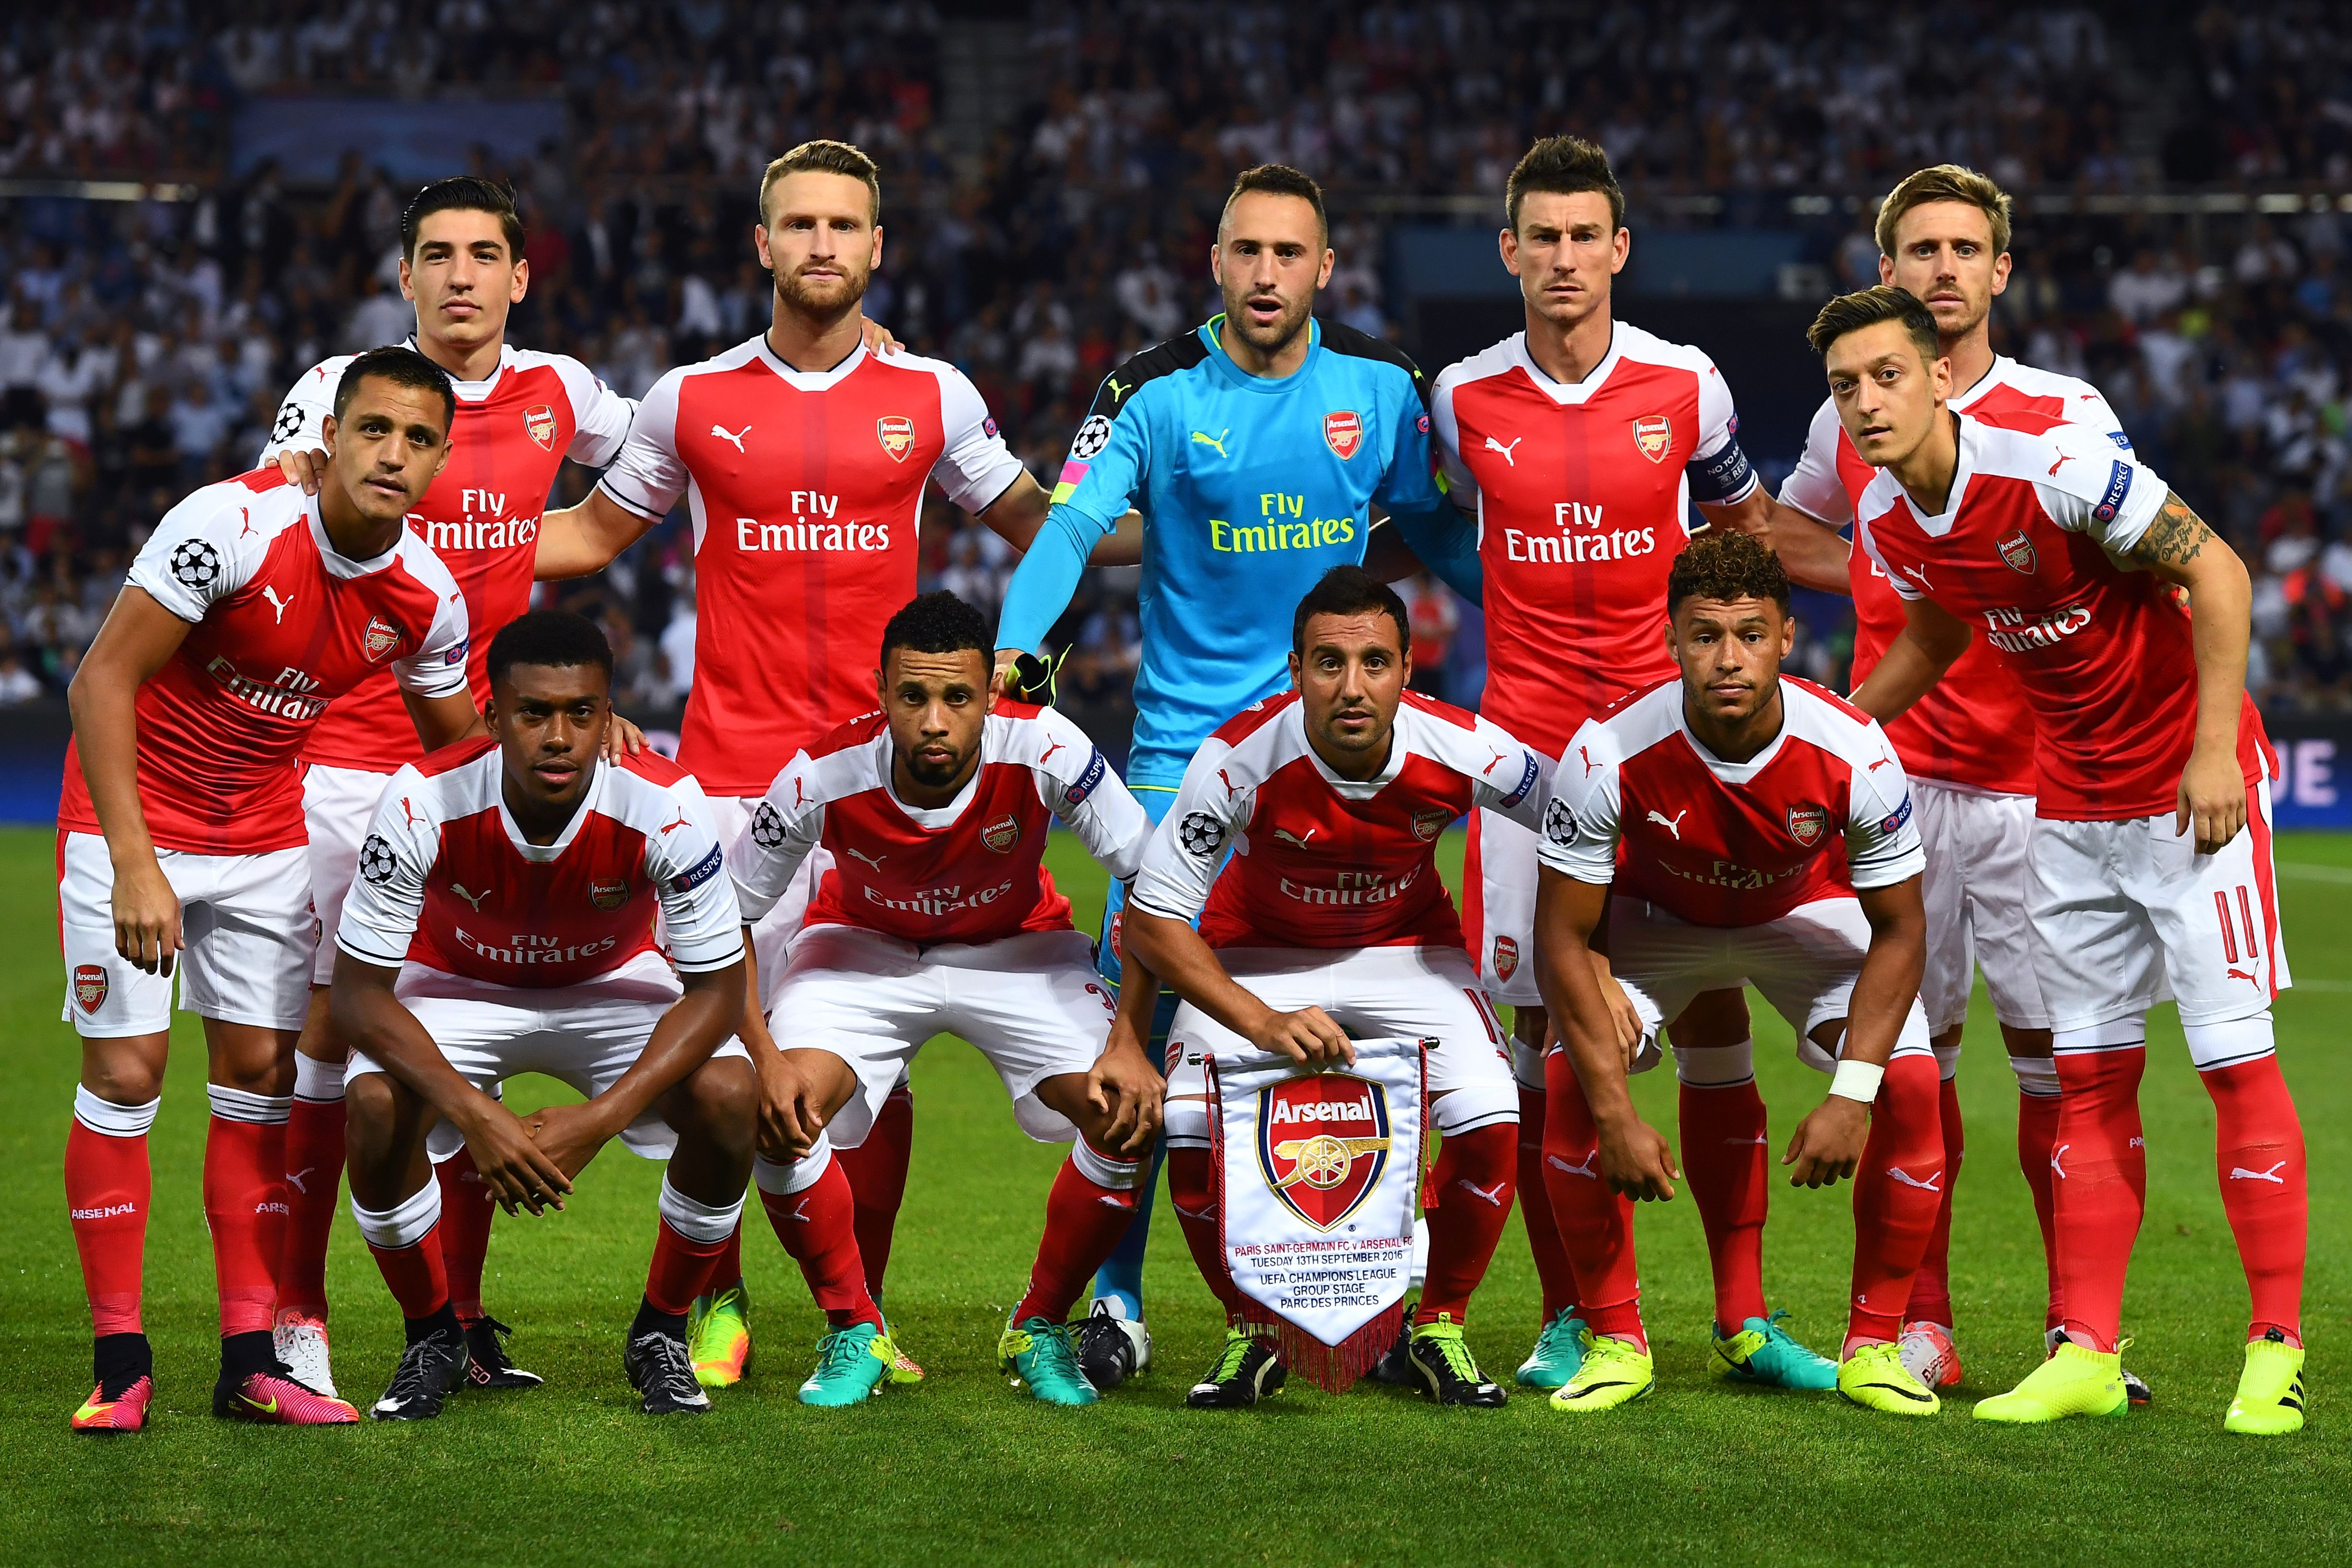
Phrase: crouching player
(1756, 829)
(502, 922)
(937, 915)
(1330, 917)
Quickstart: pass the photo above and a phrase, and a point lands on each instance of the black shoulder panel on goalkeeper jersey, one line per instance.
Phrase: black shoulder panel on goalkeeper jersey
(1343, 338)
(1118, 388)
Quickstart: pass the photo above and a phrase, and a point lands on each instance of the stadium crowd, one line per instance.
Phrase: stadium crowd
(144, 345)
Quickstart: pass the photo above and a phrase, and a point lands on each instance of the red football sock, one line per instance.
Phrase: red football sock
(1085, 1217)
(245, 1204)
(1476, 1174)
(107, 1193)
(2037, 1133)
(2100, 1182)
(467, 1205)
(314, 1179)
(1553, 1272)
(727, 1269)
(1931, 1287)
(2259, 1154)
(1596, 1225)
(1896, 1192)
(1723, 1157)
(682, 1268)
(1191, 1193)
(817, 1225)
(877, 1170)
(417, 1273)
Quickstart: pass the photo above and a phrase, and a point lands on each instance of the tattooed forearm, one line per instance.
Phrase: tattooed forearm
(2177, 537)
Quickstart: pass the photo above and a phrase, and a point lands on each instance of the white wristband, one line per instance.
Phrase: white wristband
(1857, 1080)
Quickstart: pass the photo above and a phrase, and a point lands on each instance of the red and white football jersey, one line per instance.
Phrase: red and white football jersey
(1975, 729)
(1581, 493)
(2021, 553)
(805, 489)
(282, 625)
(969, 871)
(480, 516)
(1323, 862)
(446, 880)
(1821, 811)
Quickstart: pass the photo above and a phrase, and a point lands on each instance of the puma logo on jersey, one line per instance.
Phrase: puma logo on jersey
(473, 899)
(1293, 839)
(732, 438)
(1908, 1179)
(1117, 388)
(1584, 1170)
(673, 827)
(800, 797)
(409, 812)
(244, 521)
(1217, 440)
(1048, 755)
(1918, 575)
(1591, 767)
(276, 603)
(2240, 1173)
(1489, 768)
(1878, 764)
(1673, 823)
(1495, 446)
(873, 860)
(1230, 790)
(1493, 1195)
(2061, 463)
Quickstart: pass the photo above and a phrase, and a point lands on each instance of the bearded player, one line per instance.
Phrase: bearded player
(2067, 556)
(519, 415)
(1734, 823)
(1579, 446)
(1330, 919)
(1967, 745)
(1254, 446)
(180, 845)
(937, 914)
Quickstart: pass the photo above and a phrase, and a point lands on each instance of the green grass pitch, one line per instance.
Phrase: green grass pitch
(964, 1470)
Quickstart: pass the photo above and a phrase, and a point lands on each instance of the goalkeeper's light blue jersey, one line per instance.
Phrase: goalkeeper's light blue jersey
(1251, 487)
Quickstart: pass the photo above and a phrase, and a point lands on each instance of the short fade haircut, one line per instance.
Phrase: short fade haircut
(824, 157)
(557, 639)
(1944, 182)
(937, 622)
(1281, 180)
(1867, 307)
(1350, 591)
(467, 194)
(401, 366)
(1727, 566)
(1564, 165)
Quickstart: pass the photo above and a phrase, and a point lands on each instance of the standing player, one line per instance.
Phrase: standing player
(802, 456)
(1254, 446)
(180, 842)
(1751, 828)
(937, 914)
(2067, 555)
(1330, 917)
(503, 924)
(1579, 444)
(519, 416)
(1967, 745)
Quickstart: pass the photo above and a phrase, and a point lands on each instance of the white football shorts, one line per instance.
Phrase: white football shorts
(1978, 891)
(338, 803)
(1498, 914)
(246, 923)
(1373, 993)
(772, 935)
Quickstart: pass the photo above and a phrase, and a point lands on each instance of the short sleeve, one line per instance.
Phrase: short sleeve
(2092, 489)
(1180, 864)
(648, 476)
(1581, 820)
(203, 551)
(977, 468)
(700, 915)
(1813, 486)
(1720, 474)
(437, 668)
(301, 422)
(1110, 454)
(387, 894)
(1517, 778)
(1410, 481)
(601, 417)
(1077, 783)
(785, 825)
(1882, 842)
(1445, 445)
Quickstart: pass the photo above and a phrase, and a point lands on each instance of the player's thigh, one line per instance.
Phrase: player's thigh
(1996, 847)
(1431, 993)
(1036, 1007)
(2216, 916)
(337, 806)
(486, 1033)
(1806, 963)
(868, 1000)
(108, 997)
(251, 942)
(1949, 973)
(2098, 954)
(1499, 889)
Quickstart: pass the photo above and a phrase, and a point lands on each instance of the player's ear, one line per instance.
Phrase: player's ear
(1294, 672)
(876, 259)
(1324, 277)
(327, 430)
(521, 283)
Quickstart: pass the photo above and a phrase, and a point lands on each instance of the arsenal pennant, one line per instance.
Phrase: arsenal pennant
(1343, 432)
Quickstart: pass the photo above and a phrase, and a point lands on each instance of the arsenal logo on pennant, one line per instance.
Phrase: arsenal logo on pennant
(379, 638)
(1322, 1142)
(1654, 434)
(1428, 825)
(1003, 834)
(1806, 824)
(2017, 551)
(88, 987)
(1506, 957)
(1343, 432)
(608, 896)
(896, 434)
(539, 420)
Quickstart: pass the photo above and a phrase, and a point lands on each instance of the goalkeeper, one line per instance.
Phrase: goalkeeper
(1254, 446)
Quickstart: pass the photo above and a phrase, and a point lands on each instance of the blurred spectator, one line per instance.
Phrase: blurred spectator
(1430, 608)
(16, 683)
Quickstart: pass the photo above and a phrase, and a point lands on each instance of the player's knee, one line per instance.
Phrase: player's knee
(719, 1101)
(118, 1075)
(370, 1107)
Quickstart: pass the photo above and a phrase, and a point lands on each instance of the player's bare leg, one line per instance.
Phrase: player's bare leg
(1090, 1207)
(713, 1111)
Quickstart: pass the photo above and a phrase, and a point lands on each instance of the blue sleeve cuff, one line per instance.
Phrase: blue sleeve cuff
(1448, 545)
(1048, 574)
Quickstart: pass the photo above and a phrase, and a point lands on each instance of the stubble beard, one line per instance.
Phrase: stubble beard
(796, 297)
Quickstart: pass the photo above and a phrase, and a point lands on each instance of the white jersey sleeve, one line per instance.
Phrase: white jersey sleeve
(387, 895)
(785, 825)
(1813, 486)
(1580, 822)
(1516, 779)
(700, 914)
(1461, 485)
(977, 467)
(601, 417)
(1179, 864)
(1720, 474)
(648, 476)
(301, 422)
(2092, 489)
(1076, 783)
(1882, 842)
(203, 551)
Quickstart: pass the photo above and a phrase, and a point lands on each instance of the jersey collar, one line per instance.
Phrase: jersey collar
(1734, 773)
(540, 853)
(339, 565)
(1267, 385)
(1996, 376)
(473, 391)
(1939, 525)
(1567, 394)
(808, 380)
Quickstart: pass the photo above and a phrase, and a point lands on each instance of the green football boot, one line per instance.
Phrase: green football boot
(1767, 1356)
(1559, 1351)
(1037, 1351)
(851, 1365)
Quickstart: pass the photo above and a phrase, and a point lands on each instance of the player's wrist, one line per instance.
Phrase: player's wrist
(1856, 1082)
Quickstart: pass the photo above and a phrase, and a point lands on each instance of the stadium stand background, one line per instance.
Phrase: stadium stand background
(197, 201)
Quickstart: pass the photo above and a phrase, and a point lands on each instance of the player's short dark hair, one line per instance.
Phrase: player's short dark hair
(1564, 165)
(1944, 182)
(1726, 565)
(826, 158)
(467, 194)
(1281, 180)
(401, 366)
(1350, 591)
(557, 639)
(936, 622)
(1867, 307)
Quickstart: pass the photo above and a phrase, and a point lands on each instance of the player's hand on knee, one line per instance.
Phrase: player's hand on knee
(1125, 1088)
(1828, 1144)
(789, 1116)
(146, 917)
(568, 1134)
(1638, 1162)
(302, 468)
(517, 1171)
(2212, 799)
(1308, 1036)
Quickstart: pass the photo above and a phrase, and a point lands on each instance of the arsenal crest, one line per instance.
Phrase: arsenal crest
(1506, 957)
(88, 986)
(1343, 432)
(379, 638)
(1807, 823)
(1428, 825)
(1003, 834)
(896, 434)
(608, 896)
(539, 420)
(1322, 1142)
(1654, 434)
(2016, 551)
